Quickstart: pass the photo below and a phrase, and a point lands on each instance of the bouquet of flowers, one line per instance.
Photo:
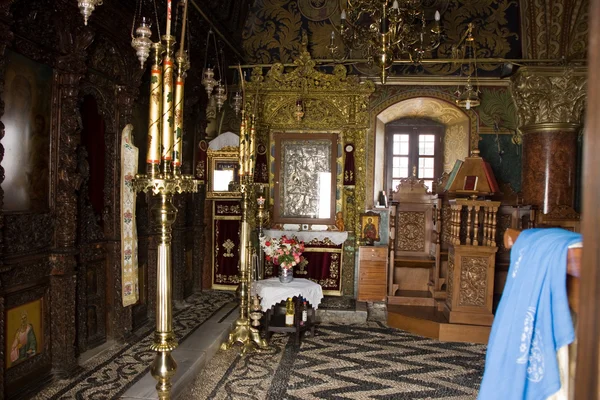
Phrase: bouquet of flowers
(284, 251)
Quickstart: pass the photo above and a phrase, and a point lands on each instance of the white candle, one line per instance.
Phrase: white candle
(168, 17)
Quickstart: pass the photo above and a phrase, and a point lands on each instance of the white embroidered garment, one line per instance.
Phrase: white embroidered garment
(272, 291)
(129, 246)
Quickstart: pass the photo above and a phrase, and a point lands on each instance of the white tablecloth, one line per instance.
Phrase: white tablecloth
(272, 291)
(306, 236)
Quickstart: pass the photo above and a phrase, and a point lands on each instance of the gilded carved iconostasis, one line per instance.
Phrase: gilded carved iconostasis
(333, 118)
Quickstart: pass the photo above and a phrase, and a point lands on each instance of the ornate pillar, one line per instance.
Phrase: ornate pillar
(71, 68)
(550, 102)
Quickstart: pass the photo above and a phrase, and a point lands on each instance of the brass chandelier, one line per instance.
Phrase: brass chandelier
(386, 30)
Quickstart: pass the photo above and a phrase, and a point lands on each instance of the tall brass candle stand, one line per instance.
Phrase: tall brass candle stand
(165, 181)
(243, 332)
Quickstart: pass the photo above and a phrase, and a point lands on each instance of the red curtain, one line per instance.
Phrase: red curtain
(323, 265)
(226, 244)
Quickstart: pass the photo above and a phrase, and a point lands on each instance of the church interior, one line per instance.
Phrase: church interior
(394, 149)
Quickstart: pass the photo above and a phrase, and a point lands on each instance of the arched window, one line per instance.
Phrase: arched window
(413, 146)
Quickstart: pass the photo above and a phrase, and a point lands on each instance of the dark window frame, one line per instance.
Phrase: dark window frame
(414, 128)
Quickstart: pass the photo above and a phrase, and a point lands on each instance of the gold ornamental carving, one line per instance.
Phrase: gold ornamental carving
(316, 113)
(549, 96)
(473, 281)
(411, 231)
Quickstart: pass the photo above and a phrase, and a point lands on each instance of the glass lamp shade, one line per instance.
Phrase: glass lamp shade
(86, 7)
(468, 98)
(220, 96)
(209, 81)
(237, 102)
(141, 43)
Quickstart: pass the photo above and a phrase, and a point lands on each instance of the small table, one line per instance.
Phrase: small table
(274, 295)
(271, 291)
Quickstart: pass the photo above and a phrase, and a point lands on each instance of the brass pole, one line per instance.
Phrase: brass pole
(164, 366)
(516, 61)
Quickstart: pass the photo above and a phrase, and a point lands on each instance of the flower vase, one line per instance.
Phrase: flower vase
(286, 275)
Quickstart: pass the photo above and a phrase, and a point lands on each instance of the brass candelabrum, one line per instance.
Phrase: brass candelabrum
(164, 178)
(261, 217)
(243, 333)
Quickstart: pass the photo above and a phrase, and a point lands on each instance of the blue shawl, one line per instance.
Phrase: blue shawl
(533, 319)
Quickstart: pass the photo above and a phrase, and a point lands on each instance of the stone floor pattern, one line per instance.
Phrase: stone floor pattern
(111, 373)
(369, 361)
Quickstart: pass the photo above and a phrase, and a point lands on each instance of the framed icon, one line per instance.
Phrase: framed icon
(369, 227)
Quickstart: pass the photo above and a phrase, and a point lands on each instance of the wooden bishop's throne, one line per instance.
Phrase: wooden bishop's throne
(414, 269)
(456, 303)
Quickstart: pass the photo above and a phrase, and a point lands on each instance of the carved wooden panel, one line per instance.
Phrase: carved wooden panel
(473, 281)
(450, 283)
(410, 231)
(27, 233)
(95, 307)
(446, 219)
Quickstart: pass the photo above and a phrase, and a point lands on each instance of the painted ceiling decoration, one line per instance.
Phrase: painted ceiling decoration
(273, 31)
